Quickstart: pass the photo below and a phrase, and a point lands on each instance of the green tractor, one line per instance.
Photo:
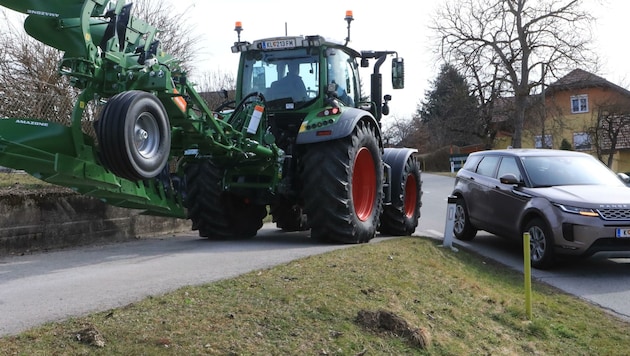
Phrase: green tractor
(299, 142)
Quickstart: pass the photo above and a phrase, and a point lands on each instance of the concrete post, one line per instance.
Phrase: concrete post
(450, 218)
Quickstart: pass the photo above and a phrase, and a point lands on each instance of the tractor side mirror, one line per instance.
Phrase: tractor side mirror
(398, 73)
(385, 107)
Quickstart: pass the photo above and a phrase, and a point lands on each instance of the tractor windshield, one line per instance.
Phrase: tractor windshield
(288, 79)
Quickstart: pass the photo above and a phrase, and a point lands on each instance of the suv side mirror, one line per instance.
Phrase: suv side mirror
(509, 178)
(398, 73)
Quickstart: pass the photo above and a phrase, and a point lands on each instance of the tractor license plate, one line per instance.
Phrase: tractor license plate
(623, 233)
(279, 44)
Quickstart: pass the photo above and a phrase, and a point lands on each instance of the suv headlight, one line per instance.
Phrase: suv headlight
(577, 210)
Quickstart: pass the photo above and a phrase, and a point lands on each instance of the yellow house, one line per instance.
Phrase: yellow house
(582, 112)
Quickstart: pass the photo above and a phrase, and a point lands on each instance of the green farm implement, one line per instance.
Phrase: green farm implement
(299, 142)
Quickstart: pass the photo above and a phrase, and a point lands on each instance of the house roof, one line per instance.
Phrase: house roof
(580, 79)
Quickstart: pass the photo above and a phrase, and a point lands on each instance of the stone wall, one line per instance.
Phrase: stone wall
(37, 221)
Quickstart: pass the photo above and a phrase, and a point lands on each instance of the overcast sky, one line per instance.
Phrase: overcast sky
(378, 25)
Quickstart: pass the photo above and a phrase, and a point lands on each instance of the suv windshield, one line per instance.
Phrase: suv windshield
(288, 79)
(557, 170)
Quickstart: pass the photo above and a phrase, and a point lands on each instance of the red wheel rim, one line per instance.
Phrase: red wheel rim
(364, 184)
(411, 190)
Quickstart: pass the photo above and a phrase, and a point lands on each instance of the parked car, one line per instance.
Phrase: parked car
(570, 203)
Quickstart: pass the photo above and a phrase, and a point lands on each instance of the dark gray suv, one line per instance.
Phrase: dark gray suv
(569, 202)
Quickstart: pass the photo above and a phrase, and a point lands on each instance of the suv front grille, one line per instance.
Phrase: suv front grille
(614, 214)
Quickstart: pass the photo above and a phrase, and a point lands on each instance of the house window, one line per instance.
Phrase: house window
(579, 103)
(538, 141)
(581, 141)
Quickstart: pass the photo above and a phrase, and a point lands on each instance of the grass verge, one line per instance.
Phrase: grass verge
(19, 178)
(458, 302)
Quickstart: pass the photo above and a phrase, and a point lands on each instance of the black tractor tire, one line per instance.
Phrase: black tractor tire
(402, 219)
(541, 244)
(134, 135)
(217, 214)
(343, 186)
(462, 228)
(288, 217)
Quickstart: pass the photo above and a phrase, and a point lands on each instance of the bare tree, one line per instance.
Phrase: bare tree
(487, 87)
(217, 88)
(398, 131)
(30, 84)
(175, 33)
(418, 135)
(217, 80)
(611, 131)
(508, 40)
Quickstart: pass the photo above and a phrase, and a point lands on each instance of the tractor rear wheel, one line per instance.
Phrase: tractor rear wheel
(134, 135)
(343, 182)
(402, 218)
(217, 214)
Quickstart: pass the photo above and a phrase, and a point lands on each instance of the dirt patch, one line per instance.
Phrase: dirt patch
(91, 336)
(383, 320)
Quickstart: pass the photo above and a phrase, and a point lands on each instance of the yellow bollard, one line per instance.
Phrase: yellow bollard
(528, 275)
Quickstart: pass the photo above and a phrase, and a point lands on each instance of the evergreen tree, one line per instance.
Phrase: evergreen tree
(449, 111)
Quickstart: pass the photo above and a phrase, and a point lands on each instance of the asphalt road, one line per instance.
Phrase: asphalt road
(43, 287)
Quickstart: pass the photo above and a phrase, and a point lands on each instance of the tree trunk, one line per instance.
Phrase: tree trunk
(519, 119)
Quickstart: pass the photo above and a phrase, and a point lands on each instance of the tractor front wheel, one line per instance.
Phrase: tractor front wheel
(217, 214)
(343, 186)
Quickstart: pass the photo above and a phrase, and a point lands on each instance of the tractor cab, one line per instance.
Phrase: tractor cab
(294, 73)
(302, 73)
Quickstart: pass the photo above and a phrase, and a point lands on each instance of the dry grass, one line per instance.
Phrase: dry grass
(19, 178)
(456, 302)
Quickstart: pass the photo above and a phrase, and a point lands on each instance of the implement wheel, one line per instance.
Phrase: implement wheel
(134, 135)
